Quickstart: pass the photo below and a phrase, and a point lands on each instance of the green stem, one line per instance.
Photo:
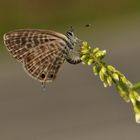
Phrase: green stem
(136, 86)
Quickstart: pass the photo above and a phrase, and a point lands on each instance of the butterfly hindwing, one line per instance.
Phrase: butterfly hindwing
(43, 63)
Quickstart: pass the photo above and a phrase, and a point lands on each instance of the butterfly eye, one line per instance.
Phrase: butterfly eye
(69, 33)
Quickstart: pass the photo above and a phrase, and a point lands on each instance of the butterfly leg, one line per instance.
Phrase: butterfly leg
(43, 84)
(73, 57)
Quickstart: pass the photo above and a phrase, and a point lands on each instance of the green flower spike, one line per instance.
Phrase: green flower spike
(108, 75)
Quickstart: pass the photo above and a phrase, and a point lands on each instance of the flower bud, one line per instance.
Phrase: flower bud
(85, 51)
(95, 50)
(83, 57)
(90, 61)
(109, 80)
(102, 75)
(137, 117)
(96, 69)
(111, 68)
(105, 84)
(115, 76)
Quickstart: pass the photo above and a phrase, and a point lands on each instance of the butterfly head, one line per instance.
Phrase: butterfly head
(72, 38)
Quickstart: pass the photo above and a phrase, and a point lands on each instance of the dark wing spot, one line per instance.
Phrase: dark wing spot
(29, 40)
(52, 44)
(25, 34)
(41, 41)
(51, 75)
(46, 40)
(29, 45)
(42, 75)
(52, 39)
(23, 40)
(36, 42)
(17, 41)
(7, 41)
(28, 59)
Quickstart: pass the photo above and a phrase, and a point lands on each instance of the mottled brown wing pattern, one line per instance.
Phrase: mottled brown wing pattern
(43, 63)
(20, 42)
(41, 52)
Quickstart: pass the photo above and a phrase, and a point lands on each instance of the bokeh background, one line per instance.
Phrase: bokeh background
(76, 106)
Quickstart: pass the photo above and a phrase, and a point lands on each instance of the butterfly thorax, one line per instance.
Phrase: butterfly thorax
(73, 40)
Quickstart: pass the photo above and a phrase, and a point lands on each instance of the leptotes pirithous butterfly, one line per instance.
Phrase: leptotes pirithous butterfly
(42, 52)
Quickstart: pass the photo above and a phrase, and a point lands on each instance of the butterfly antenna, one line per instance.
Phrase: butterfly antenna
(87, 25)
(71, 29)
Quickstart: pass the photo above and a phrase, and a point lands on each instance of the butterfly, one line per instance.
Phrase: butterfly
(42, 52)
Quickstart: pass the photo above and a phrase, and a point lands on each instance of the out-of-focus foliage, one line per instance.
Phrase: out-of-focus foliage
(49, 13)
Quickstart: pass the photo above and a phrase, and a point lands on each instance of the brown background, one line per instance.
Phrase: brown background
(76, 106)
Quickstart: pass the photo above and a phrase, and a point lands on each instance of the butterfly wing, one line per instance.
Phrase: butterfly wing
(41, 52)
(20, 42)
(43, 63)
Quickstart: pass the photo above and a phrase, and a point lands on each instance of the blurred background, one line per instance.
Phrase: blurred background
(75, 106)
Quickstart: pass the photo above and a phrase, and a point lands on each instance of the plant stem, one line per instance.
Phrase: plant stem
(136, 86)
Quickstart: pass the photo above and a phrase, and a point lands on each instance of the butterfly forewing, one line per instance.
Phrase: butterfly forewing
(41, 52)
(20, 42)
